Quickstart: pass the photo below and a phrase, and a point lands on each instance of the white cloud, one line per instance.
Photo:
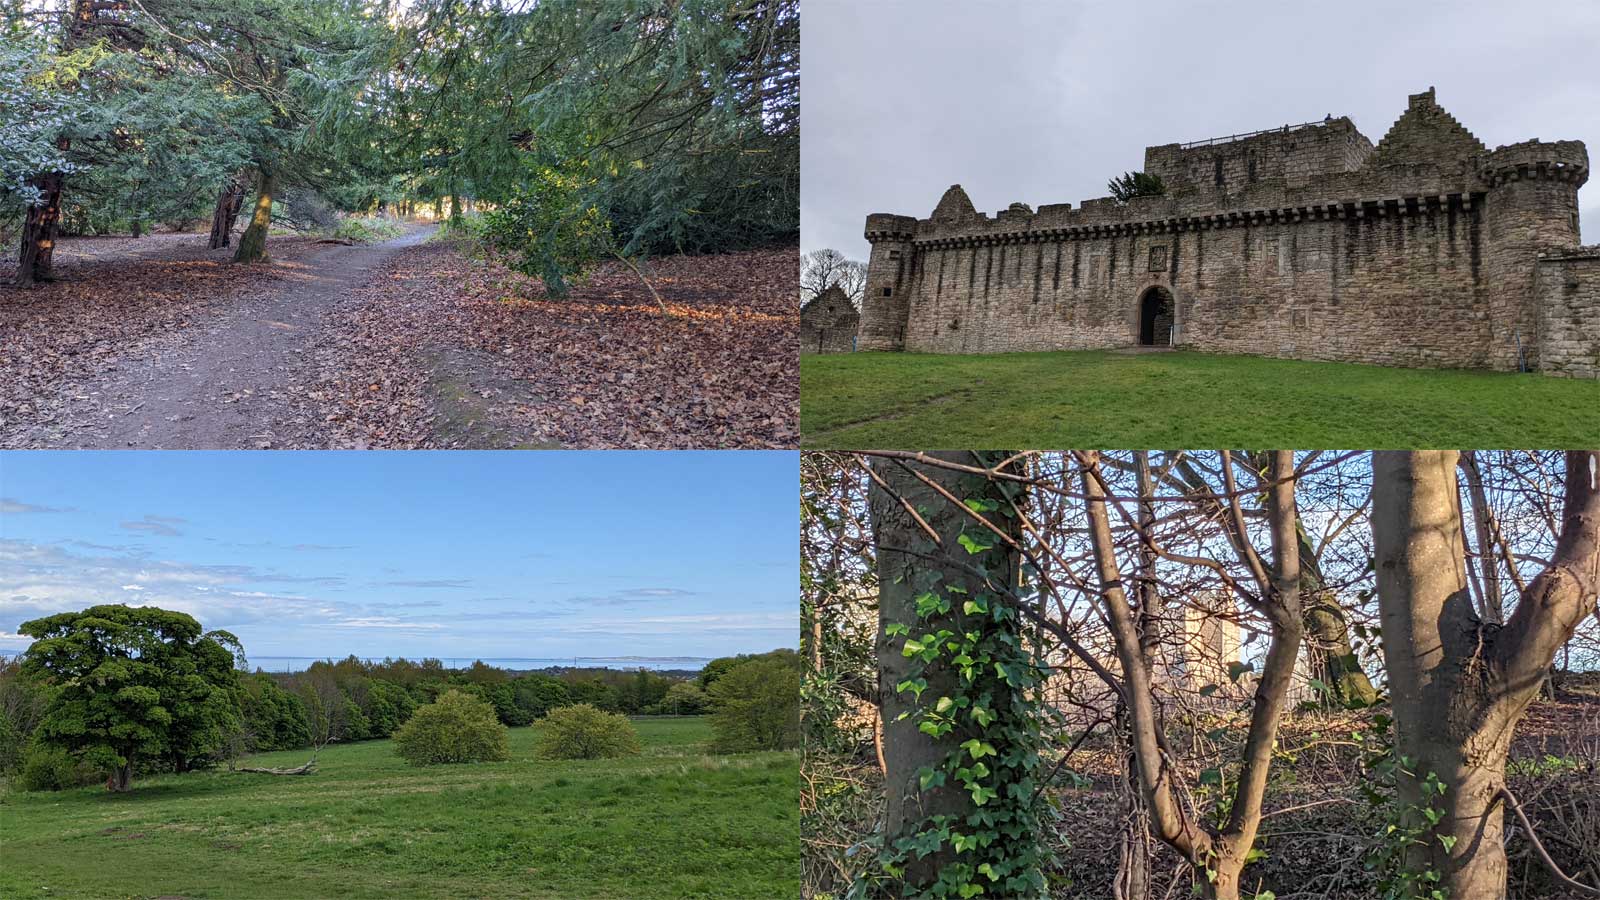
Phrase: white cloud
(11, 506)
(386, 622)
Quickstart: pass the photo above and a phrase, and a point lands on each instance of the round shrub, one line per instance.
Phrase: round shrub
(583, 732)
(456, 728)
(46, 768)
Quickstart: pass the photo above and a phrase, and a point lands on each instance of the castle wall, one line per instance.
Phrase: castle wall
(1568, 288)
(1305, 242)
(1292, 154)
(1397, 284)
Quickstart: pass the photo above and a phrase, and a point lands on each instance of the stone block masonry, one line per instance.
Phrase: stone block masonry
(828, 323)
(1307, 241)
(1569, 308)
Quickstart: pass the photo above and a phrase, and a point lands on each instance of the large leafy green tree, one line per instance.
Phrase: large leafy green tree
(137, 686)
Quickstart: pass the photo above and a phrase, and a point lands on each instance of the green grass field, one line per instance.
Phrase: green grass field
(674, 822)
(1081, 399)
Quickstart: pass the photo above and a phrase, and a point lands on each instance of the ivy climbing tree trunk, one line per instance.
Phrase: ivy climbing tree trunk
(960, 733)
(1460, 684)
(1328, 632)
(253, 243)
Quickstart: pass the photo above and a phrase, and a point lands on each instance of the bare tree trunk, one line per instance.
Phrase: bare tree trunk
(253, 243)
(908, 566)
(229, 200)
(1483, 519)
(39, 231)
(1459, 684)
(1218, 856)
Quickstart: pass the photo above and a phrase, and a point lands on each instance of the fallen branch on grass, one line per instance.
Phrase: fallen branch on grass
(306, 769)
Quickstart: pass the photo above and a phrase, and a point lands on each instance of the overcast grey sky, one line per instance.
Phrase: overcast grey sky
(1043, 102)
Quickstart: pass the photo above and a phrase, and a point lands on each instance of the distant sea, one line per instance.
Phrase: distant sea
(625, 663)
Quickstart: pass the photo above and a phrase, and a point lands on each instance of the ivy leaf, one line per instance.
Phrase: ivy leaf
(1449, 842)
(896, 628)
(975, 605)
(1236, 670)
(973, 547)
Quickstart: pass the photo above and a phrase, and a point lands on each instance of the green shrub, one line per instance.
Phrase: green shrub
(367, 230)
(47, 768)
(756, 706)
(456, 728)
(583, 732)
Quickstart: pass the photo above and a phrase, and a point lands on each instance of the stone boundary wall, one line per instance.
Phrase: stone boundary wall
(1568, 286)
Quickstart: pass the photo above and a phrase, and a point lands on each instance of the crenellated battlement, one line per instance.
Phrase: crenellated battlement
(889, 227)
(1545, 160)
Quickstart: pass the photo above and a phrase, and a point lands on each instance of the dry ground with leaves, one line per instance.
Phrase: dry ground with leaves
(160, 342)
(448, 350)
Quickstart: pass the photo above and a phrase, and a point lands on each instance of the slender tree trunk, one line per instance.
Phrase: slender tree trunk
(138, 227)
(1459, 684)
(229, 199)
(1328, 632)
(253, 243)
(39, 231)
(1484, 524)
(905, 571)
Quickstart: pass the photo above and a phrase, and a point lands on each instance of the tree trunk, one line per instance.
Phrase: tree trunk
(909, 565)
(1459, 684)
(39, 231)
(1328, 633)
(253, 243)
(120, 778)
(1483, 521)
(229, 200)
(138, 227)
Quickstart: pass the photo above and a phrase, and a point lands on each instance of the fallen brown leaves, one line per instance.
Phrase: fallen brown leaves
(448, 351)
(110, 294)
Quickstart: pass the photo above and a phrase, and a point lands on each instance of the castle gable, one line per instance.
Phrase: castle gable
(955, 207)
(1426, 133)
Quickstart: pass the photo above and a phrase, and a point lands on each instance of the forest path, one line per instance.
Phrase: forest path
(221, 384)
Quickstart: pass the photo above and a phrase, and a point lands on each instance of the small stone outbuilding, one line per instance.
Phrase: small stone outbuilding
(828, 323)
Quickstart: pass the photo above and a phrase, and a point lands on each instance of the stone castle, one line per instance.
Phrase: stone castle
(1306, 241)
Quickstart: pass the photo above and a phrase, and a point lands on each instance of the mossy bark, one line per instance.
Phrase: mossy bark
(253, 243)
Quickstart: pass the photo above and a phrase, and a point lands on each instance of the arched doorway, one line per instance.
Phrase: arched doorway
(1156, 317)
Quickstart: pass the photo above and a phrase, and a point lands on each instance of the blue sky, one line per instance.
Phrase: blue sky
(449, 554)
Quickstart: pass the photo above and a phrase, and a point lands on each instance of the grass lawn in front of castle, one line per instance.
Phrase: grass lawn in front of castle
(1111, 399)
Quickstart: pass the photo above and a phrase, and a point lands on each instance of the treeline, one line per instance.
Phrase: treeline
(116, 691)
(590, 128)
(354, 699)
